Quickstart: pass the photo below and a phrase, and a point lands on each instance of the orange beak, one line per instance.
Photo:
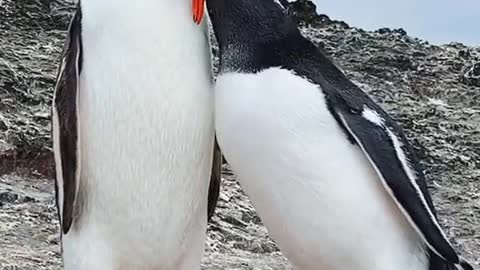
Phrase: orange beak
(198, 9)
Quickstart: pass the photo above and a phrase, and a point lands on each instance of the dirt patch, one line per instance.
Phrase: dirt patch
(433, 92)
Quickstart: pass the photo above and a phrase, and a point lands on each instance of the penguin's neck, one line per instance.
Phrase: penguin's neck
(136, 46)
(141, 17)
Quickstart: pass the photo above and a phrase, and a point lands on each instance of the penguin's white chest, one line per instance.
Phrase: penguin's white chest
(316, 193)
(146, 144)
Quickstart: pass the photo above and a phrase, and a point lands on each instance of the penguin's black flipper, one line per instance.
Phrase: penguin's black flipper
(215, 180)
(386, 147)
(65, 124)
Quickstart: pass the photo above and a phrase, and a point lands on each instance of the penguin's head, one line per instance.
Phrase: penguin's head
(198, 7)
(247, 21)
(250, 32)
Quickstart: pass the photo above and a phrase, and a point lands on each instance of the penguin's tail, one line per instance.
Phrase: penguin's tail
(463, 265)
(437, 263)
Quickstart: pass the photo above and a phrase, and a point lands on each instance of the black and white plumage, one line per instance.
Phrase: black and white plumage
(134, 139)
(331, 174)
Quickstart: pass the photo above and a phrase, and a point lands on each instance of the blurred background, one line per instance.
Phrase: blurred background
(437, 21)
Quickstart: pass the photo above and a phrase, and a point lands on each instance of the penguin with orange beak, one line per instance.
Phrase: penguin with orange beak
(331, 174)
(137, 166)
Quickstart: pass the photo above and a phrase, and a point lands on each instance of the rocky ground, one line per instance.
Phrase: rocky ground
(433, 91)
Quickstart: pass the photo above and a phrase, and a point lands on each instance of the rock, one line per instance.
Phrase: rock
(8, 197)
(28, 199)
(304, 13)
(472, 76)
(400, 32)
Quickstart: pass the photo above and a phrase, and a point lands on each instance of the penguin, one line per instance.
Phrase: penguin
(331, 174)
(137, 165)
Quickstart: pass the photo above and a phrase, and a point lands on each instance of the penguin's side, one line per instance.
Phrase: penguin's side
(133, 136)
(331, 174)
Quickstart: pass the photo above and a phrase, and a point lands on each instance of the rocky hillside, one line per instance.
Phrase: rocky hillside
(433, 91)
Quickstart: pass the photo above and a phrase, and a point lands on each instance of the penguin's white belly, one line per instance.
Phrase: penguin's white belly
(316, 193)
(146, 130)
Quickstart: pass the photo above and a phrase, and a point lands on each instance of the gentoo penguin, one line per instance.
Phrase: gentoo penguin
(133, 136)
(332, 176)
